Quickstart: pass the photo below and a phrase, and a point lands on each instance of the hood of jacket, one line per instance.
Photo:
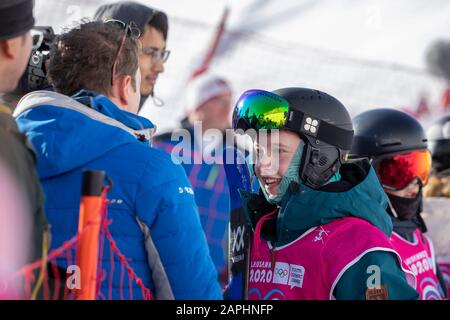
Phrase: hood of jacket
(69, 132)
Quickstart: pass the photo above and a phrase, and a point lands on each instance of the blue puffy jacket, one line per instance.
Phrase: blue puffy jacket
(154, 217)
(211, 195)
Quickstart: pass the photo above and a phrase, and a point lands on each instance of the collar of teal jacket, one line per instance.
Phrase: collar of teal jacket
(307, 208)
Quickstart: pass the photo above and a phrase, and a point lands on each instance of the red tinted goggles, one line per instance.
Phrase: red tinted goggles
(397, 171)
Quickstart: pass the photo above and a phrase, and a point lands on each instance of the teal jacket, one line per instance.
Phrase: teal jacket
(357, 194)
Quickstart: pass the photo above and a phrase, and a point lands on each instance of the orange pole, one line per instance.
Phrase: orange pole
(89, 225)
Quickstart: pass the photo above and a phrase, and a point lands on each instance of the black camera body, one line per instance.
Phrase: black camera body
(35, 76)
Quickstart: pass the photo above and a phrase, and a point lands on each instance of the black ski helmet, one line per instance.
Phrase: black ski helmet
(383, 132)
(439, 143)
(324, 125)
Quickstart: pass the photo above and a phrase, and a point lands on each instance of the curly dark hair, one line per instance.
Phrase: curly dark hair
(83, 58)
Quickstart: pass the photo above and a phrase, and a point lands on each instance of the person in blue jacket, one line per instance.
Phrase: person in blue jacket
(90, 122)
(208, 108)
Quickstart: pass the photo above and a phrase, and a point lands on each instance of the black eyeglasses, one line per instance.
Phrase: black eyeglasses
(131, 30)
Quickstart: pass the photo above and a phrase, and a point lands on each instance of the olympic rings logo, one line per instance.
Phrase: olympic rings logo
(281, 272)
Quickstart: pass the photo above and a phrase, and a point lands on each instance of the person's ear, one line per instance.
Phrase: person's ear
(124, 87)
(201, 111)
(196, 115)
(10, 47)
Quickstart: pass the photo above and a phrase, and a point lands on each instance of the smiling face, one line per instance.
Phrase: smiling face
(274, 157)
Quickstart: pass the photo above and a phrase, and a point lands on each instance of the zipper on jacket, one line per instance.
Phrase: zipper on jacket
(272, 259)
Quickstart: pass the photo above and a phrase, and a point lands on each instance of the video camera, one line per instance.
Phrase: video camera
(35, 76)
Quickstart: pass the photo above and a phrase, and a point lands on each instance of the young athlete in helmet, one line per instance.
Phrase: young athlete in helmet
(320, 228)
(396, 145)
(436, 206)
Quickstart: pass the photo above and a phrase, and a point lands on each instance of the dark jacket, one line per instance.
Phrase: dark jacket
(20, 158)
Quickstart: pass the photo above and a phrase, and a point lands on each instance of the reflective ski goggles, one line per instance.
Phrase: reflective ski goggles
(259, 109)
(396, 172)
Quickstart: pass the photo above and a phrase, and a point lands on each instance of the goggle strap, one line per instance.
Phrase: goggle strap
(321, 130)
(391, 207)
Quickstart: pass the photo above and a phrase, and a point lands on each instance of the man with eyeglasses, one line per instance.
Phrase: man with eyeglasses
(153, 26)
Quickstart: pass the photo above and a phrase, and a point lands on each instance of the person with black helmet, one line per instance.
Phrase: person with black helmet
(154, 26)
(396, 145)
(439, 146)
(436, 205)
(319, 226)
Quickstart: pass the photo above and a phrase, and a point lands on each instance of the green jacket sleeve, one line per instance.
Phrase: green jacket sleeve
(353, 283)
